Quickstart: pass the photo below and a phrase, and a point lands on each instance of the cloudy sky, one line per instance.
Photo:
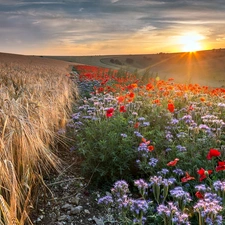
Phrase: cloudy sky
(103, 27)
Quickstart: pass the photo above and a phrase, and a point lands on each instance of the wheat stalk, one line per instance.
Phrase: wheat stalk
(35, 101)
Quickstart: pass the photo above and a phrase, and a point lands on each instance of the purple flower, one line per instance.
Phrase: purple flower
(163, 172)
(141, 184)
(120, 188)
(124, 202)
(168, 182)
(139, 206)
(187, 119)
(179, 172)
(180, 218)
(167, 210)
(171, 212)
(203, 127)
(107, 200)
(174, 121)
(179, 193)
(219, 220)
(123, 135)
(219, 185)
(156, 180)
(202, 187)
(181, 135)
(212, 196)
(141, 119)
(169, 136)
(143, 148)
(168, 149)
(209, 221)
(181, 148)
(137, 134)
(210, 205)
(145, 124)
(76, 116)
(153, 162)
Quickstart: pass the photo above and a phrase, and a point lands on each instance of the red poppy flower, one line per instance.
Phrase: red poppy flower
(187, 178)
(100, 89)
(198, 194)
(145, 141)
(131, 95)
(150, 148)
(171, 107)
(221, 166)
(202, 99)
(173, 163)
(156, 101)
(190, 108)
(109, 112)
(122, 108)
(149, 87)
(136, 125)
(213, 153)
(203, 173)
(134, 85)
(121, 99)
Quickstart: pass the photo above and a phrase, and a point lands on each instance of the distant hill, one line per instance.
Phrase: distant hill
(202, 67)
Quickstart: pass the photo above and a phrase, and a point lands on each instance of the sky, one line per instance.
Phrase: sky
(110, 27)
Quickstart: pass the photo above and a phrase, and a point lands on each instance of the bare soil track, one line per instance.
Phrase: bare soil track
(66, 198)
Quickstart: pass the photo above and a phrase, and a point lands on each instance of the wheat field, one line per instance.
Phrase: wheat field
(35, 101)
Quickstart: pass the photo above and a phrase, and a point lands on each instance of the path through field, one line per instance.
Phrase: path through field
(66, 198)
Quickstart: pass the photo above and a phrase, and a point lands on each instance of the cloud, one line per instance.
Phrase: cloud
(111, 22)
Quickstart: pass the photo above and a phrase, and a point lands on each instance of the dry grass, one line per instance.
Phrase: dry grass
(35, 100)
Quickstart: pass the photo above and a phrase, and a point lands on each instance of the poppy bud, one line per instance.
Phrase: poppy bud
(206, 173)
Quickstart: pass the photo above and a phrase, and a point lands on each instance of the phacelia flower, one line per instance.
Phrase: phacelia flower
(107, 200)
(210, 206)
(167, 210)
(219, 185)
(120, 188)
(141, 184)
(163, 171)
(179, 193)
(179, 172)
(138, 206)
(153, 162)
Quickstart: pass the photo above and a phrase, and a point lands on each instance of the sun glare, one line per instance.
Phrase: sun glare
(191, 42)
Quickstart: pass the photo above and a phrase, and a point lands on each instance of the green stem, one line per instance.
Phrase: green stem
(199, 219)
(165, 192)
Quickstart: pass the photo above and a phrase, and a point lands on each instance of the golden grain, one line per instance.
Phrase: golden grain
(35, 101)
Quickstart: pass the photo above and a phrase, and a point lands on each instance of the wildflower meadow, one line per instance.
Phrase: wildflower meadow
(156, 146)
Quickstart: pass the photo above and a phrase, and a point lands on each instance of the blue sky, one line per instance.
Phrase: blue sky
(103, 27)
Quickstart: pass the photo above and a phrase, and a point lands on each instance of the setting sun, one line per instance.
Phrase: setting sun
(191, 42)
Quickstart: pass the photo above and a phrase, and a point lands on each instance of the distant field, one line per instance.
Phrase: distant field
(203, 67)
